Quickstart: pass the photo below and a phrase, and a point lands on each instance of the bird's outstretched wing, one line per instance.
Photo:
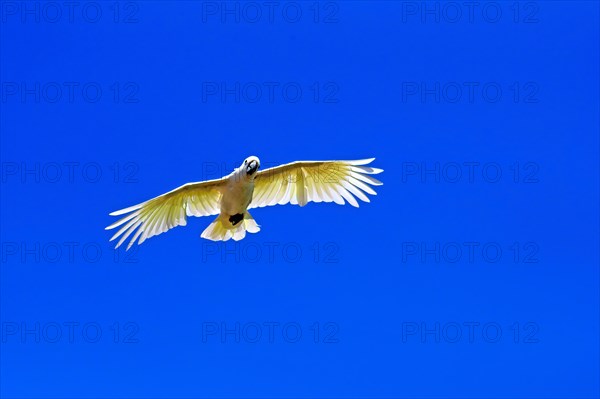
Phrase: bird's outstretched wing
(166, 211)
(300, 182)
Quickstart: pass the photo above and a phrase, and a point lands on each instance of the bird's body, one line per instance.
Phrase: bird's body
(236, 194)
(230, 197)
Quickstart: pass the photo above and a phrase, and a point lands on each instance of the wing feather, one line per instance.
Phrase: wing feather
(123, 220)
(361, 185)
(123, 229)
(315, 181)
(128, 232)
(297, 192)
(334, 194)
(323, 193)
(151, 221)
(348, 197)
(365, 178)
(166, 211)
(355, 191)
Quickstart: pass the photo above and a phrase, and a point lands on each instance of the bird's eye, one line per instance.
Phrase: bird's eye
(245, 162)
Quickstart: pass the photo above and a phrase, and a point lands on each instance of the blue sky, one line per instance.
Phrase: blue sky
(472, 273)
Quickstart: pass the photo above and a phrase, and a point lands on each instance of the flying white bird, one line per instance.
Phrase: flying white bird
(230, 197)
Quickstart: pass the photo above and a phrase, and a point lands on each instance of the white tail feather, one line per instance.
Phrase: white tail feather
(221, 228)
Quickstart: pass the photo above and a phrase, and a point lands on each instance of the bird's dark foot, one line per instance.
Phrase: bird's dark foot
(235, 219)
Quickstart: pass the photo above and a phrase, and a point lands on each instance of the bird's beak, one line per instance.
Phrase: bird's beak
(252, 167)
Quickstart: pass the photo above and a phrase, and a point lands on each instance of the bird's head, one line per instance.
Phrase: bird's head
(251, 165)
